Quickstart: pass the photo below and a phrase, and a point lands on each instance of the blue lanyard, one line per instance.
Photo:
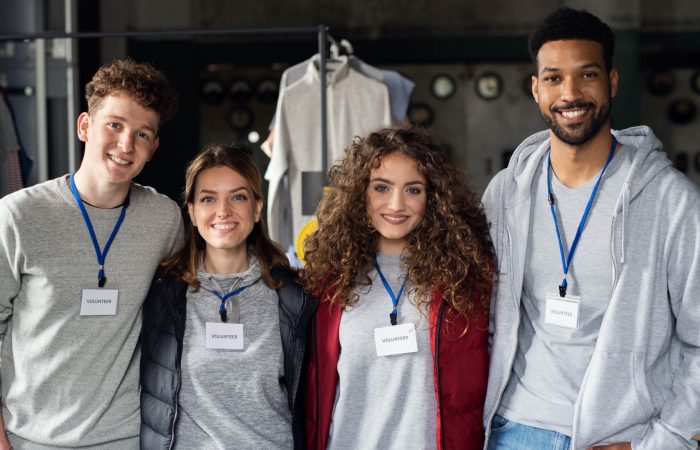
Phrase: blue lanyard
(101, 255)
(222, 307)
(394, 298)
(566, 262)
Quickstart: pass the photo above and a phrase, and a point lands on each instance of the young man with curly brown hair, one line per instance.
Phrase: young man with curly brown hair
(77, 254)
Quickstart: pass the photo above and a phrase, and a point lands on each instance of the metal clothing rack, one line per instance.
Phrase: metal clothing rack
(39, 90)
(26, 90)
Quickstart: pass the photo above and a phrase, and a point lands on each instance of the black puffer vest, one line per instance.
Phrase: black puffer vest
(161, 351)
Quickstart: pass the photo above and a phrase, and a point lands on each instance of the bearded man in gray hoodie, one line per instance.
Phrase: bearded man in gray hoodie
(595, 319)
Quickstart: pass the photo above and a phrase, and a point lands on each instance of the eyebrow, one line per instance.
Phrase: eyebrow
(230, 191)
(585, 66)
(123, 119)
(384, 180)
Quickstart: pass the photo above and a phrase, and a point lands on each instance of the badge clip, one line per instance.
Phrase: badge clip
(562, 291)
(392, 317)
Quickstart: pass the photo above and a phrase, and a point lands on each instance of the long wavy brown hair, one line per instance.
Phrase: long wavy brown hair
(450, 249)
(183, 265)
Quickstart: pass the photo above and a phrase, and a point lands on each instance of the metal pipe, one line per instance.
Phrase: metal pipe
(71, 86)
(322, 35)
(19, 90)
(42, 147)
(156, 33)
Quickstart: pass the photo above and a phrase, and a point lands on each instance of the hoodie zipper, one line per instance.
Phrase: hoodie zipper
(615, 279)
(172, 425)
(502, 387)
(179, 377)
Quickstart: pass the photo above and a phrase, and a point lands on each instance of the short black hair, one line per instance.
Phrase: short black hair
(567, 24)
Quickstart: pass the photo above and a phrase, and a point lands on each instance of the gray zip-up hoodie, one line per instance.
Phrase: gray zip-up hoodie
(642, 384)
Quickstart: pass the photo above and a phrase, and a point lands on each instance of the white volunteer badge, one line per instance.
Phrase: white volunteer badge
(99, 302)
(562, 311)
(226, 336)
(395, 339)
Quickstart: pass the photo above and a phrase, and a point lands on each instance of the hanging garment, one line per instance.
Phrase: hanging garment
(10, 169)
(356, 105)
(25, 161)
(400, 88)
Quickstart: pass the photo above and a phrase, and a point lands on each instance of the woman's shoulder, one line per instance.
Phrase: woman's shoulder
(285, 274)
(167, 286)
(292, 292)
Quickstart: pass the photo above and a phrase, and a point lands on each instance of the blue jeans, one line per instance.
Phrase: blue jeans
(508, 435)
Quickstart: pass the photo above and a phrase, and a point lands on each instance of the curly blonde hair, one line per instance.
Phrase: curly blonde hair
(450, 249)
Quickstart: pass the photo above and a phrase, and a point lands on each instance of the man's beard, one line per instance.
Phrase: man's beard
(584, 131)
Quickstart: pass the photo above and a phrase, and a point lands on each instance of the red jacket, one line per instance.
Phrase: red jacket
(460, 373)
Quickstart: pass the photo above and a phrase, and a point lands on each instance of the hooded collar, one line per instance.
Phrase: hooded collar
(335, 70)
(231, 281)
(649, 159)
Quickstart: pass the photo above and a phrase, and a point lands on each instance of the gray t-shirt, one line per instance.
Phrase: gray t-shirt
(228, 398)
(551, 360)
(70, 380)
(385, 402)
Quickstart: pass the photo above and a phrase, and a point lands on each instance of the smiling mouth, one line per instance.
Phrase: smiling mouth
(121, 162)
(573, 114)
(395, 220)
(224, 226)
(573, 110)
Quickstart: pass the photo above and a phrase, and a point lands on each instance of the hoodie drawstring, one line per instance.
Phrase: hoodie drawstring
(626, 190)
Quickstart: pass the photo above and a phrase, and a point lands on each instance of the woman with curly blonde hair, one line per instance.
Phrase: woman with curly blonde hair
(403, 264)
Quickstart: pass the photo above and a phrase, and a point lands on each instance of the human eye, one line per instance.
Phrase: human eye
(590, 75)
(206, 199)
(240, 197)
(380, 187)
(551, 79)
(414, 190)
(143, 135)
(114, 125)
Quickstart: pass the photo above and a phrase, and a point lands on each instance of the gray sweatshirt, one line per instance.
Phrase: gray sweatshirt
(356, 106)
(226, 395)
(642, 384)
(70, 380)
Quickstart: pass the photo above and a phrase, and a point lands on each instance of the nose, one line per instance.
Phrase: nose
(126, 142)
(570, 89)
(396, 200)
(223, 209)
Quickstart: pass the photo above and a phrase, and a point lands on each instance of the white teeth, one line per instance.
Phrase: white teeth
(224, 226)
(119, 160)
(395, 220)
(573, 114)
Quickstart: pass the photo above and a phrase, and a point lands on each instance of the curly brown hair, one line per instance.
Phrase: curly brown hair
(450, 248)
(183, 264)
(140, 81)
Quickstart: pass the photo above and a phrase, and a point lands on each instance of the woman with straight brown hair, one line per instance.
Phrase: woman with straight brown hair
(225, 322)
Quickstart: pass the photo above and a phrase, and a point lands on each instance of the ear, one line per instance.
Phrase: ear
(535, 89)
(190, 211)
(258, 209)
(614, 78)
(82, 125)
(156, 143)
